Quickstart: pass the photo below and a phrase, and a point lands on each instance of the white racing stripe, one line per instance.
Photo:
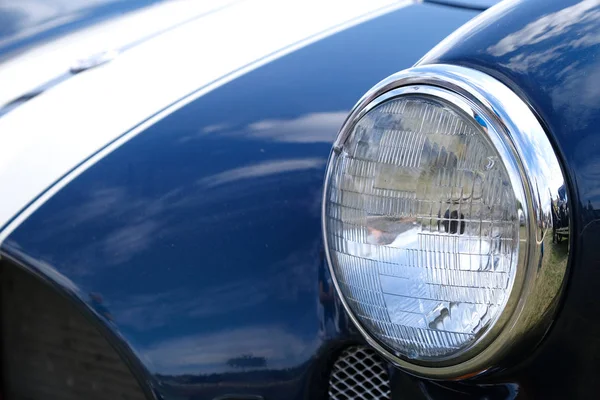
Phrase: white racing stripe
(39, 65)
(49, 135)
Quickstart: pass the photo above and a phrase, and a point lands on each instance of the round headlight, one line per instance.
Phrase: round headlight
(437, 211)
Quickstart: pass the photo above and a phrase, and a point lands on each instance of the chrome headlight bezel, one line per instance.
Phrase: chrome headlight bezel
(532, 166)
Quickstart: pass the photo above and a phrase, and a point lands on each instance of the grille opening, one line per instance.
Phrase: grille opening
(359, 373)
(50, 351)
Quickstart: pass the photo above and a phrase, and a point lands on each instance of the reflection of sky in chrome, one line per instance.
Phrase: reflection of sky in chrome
(542, 158)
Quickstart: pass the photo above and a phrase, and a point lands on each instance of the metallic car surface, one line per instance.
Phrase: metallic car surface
(536, 178)
(202, 233)
(145, 80)
(548, 53)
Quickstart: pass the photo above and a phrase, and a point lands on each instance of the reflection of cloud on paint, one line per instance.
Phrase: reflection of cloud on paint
(98, 203)
(309, 128)
(143, 312)
(570, 28)
(262, 170)
(319, 127)
(109, 203)
(154, 310)
(132, 239)
(209, 353)
(127, 224)
(556, 41)
(471, 28)
(584, 86)
(554, 25)
(141, 219)
(576, 97)
(215, 128)
(207, 130)
(290, 279)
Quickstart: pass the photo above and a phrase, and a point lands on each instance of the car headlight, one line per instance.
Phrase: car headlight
(437, 218)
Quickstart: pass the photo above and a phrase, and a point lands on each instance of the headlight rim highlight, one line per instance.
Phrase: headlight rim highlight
(494, 105)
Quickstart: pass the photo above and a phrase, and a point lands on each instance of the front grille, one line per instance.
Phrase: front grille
(51, 351)
(359, 373)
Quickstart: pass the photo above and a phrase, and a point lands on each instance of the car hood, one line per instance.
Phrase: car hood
(198, 220)
(56, 112)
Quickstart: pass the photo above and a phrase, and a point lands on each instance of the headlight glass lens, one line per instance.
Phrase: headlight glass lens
(422, 227)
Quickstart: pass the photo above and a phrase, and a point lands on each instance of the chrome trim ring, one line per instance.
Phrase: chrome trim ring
(537, 180)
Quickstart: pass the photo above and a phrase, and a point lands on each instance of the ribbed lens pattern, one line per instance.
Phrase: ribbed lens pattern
(422, 227)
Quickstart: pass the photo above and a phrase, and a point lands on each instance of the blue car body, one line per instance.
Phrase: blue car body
(196, 246)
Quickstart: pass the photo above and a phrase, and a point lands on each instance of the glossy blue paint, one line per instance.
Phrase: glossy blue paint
(202, 234)
(549, 52)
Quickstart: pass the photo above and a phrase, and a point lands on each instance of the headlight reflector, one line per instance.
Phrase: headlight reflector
(434, 213)
(423, 226)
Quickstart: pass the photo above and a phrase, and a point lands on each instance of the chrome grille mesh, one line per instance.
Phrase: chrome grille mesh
(359, 373)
